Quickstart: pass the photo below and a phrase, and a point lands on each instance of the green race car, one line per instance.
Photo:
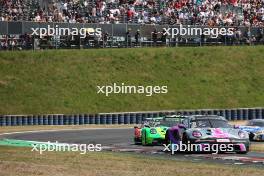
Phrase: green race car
(155, 135)
(147, 123)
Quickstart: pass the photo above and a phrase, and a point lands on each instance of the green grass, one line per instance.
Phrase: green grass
(22, 162)
(65, 81)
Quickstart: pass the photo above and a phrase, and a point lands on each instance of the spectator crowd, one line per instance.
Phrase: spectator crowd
(191, 12)
(247, 14)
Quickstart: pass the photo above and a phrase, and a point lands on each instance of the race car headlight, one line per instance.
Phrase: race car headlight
(197, 134)
(242, 134)
(153, 131)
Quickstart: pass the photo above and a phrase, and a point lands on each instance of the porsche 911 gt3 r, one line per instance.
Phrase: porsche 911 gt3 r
(255, 129)
(147, 123)
(155, 135)
(209, 130)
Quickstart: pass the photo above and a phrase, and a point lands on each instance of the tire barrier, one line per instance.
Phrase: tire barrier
(92, 119)
(133, 118)
(35, 120)
(138, 118)
(71, 120)
(124, 118)
(96, 119)
(45, 120)
(120, 118)
(8, 121)
(258, 113)
(24, 121)
(81, 119)
(109, 120)
(76, 120)
(65, 120)
(85, 119)
(13, 121)
(40, 119)
(60, 120)
(114, 119)
(55, 120)
(102, 119)
(30, 120)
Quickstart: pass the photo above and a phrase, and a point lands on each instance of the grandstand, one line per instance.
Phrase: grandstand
(246, 16)
(192, 12)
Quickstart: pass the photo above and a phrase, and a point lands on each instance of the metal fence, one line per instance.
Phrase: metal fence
(123, 118)
(17, 35)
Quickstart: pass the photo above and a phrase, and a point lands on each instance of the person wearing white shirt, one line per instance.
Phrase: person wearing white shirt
(37, 18)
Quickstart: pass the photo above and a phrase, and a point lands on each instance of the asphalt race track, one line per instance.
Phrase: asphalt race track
(121, 140)
(99, 136)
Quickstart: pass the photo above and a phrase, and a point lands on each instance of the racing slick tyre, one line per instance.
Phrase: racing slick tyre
(184, 139)
(244, 152)
(144, 139)
(137, 141)
(251, 136)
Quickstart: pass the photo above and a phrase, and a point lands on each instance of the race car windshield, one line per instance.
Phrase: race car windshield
(168, 123)
(209, 123)
(150, 123)
(219, 124)
(204, 123)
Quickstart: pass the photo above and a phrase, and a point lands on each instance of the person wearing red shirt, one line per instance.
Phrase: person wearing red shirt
(130, 14)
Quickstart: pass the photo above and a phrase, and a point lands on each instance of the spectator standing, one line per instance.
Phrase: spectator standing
(155, 37)
(130, 15)
(163, 37)
(105, 38)
(137, 36)
(128, 38)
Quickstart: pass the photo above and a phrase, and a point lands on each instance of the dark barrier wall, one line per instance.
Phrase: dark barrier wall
(123, 118)
(115, 30)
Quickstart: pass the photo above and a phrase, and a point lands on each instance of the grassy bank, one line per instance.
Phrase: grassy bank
(65, 81)
(23, 162)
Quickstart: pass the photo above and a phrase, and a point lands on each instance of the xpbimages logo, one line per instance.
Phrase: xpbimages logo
(213, 32)
(58, 31)
(60, 147)
(182, 147)
(130, 89)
